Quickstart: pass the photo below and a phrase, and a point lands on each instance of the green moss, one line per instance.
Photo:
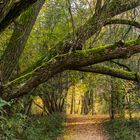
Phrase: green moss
(79, 55)
(133, 42)
(124, 72)
(94, 51)
(19, 78)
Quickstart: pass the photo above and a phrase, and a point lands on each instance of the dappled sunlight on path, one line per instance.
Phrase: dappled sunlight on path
(84, 128)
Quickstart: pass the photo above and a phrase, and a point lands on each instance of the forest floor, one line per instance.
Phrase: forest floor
(84, 128)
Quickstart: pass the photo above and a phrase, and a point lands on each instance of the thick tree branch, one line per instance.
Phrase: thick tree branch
(121, 7)
(125, 22)
(75, 60)
(127, 75)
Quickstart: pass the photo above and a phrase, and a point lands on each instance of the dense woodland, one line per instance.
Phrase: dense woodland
(61, 57)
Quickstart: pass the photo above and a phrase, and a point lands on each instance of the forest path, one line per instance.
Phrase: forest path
(84, 128)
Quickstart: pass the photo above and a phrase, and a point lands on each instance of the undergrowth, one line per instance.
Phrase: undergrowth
(123, 129)
(46, 128)
(20, 127)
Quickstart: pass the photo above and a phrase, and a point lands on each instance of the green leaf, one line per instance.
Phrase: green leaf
(3, 103)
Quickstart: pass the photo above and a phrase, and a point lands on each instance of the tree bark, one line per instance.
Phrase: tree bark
(11, 10)
(18, 40)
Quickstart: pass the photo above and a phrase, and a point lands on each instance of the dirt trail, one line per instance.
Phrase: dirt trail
(84, 128)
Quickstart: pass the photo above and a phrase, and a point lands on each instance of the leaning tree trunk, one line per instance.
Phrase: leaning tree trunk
(17, 43)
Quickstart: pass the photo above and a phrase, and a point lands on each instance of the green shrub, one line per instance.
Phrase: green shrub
(123, 129)
(20, 127)
(11, 127)
(45, 128)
